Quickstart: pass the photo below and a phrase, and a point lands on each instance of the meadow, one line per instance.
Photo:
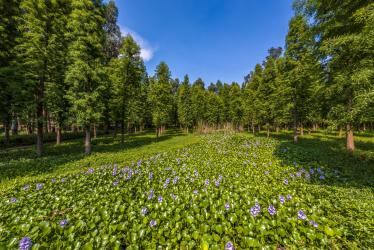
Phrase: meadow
(218, 191)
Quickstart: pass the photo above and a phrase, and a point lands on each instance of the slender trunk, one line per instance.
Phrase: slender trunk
(6, 130)
(301, 129)
(268, 131)
(295, 132)
(122, 131)
(277, 129)
(350, 139)
(87, 140)
(187, 129)
(95, 130)
(135, 129)
(340, 132)
(364, 126)
(58, 135)
(39, 116)
(259, 128)
(14, 127)
(157, 131)
(253, 128)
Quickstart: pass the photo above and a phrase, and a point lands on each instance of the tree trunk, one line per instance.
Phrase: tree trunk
(14, 127)
(122, 132)
(95, 131)
(39, 117)
(277, 129)
(187, 129)
(295, 132)
(253, 128)
(268, 132)
(301, 129)
(340, 132)
(350, 139)
(259, 128)
(58, 135)
(364, 126)
(87, 140)
(6, 130)
(157, 132)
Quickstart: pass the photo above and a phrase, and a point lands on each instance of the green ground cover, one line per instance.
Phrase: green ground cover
(192, 192)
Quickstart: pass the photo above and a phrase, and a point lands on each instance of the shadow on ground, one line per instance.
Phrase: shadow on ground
(355, 169)
(18, 162)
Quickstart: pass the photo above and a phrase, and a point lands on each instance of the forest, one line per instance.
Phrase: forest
(68, 74)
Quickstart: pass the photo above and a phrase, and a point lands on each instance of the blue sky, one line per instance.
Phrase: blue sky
(211, 39)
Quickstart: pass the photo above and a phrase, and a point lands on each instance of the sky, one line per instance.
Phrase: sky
(212, 39)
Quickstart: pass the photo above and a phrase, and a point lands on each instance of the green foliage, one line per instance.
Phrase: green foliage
(103, 205)
(184, 103)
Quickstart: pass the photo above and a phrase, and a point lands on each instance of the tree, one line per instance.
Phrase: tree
(236, 105)
(9, 86)
(127, 74)
(85, 70)
(160, 97)
(198, 102)
(36, 45)
(184, 104)
(346, 45)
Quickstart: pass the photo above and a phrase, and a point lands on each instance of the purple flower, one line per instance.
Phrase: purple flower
(139, 163)
(207, 182)
(13, 200)
(165, 185)
(229, 246)
(144, 211)
(298, 174)
(313, 223)
(227, 206)
(292, 176)
(26, 187)
(289, 197)
(322, 177)
(115, 183)
(281, 199)
(319, 170)
(173, 196)
(301, 215)
(195, 191)
(63, 179)
(196, 173)
(220, 177)
(179, 161)
(311, 170)
(150, 175)
(266, 172)
(167, 181)
(307, 176)
(285, 182)
(25, 243)
(150, 196)
(255, 210)
(152, 223)
(90, 170)
(53, 180)
(217, 183)
(114, 172)
(192, 179)
(175, 181)
(39, 186)
(64, 222)
(272, 210)
(159, 199)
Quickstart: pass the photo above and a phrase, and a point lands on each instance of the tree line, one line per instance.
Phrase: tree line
(64, 65)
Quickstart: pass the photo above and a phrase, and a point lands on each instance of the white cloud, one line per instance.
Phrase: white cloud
(146, 50)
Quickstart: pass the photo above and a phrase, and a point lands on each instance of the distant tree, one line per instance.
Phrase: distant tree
(184, 104)
(160, 97)
(127, 74)
(85, 69)
(198, 102)
(236, 105)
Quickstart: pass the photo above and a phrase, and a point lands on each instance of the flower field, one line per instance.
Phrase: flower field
(225, 192)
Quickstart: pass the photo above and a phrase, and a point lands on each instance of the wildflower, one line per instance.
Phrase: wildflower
(322, 177)
(207, 182)
(90, 171)
(319, 170)
(114, 172)
(311, 170)
(298, 174)
(173, 196)
(292, 176)
(150, 175)
(13, 200)
(26, 187)
(150, 196)
(178, 161)
(139, 163)
(272, 210)
(217, 183)
(63, 179)
(25, 243)
(53, 180)
(115, 183)
(281, 199)
(285, 182)
(195, 191)
(255, 210)
(39, 186)
(167, 181)
(289, 197)
(175, 180)
(229, 246)
(159, 199)
(266, 172)
(196, 173)
(220, 177)
(301, 215)
(152, 223)
(144, 211)
(64, 222)
(313, 223)
(227, 206)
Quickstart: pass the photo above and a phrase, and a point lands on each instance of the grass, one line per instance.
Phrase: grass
(104, 206)
(20, 165)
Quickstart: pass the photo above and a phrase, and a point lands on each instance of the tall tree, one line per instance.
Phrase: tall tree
(184, 104)
(345, 32)
(85, 68)
(9, 12)
(160, 97)
(127, 75)
(37, 43)
(198, 102)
